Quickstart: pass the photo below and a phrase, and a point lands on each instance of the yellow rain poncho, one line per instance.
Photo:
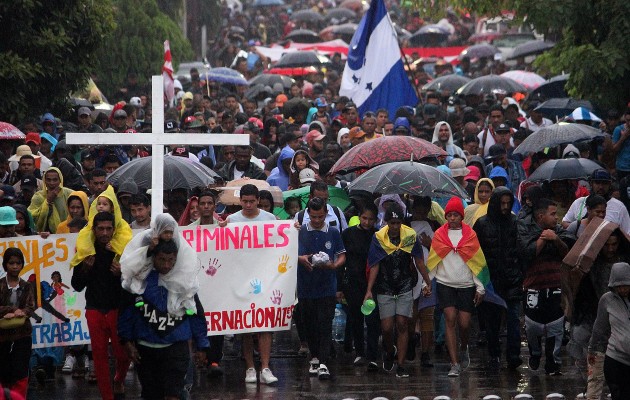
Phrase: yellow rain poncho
(63, 227)
(477, 210)
(86, 238)
(48, 217)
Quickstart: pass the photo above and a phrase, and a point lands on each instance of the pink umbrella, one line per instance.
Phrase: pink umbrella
(9, 132)
(528, 79)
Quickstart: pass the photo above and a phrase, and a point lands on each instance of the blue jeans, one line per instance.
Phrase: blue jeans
(491, 313)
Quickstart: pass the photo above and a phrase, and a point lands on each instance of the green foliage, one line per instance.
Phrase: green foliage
(47, 52)
(593, 40)
(137, 44)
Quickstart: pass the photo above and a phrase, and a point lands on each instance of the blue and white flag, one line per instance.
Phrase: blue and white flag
(374, 76)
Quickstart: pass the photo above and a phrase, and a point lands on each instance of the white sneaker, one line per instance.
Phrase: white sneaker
(250, 375)
(322, 372)
(358, 361)
(68, 365)
(266, 376)
(314, 366)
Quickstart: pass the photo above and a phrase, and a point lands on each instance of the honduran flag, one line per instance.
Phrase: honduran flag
(470, 251)
(374, 76)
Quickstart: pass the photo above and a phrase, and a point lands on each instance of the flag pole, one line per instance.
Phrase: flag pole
(413, 81)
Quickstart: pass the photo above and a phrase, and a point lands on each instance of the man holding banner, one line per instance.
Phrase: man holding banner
(249, 197)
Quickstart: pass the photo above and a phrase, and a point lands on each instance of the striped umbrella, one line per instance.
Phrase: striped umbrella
(583, 114)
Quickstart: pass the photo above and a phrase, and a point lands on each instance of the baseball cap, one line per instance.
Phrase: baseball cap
(251, 126)
(170, 126)
(349, 105)
(9, 192)
(430, 111)
(135, 101)
(192, 122)
(28, 181)
(495, 151)
(320, 102)
(356, 132)
(86, 154)
(84, 111)
(314, 135)
(307, 175)
(8, 216)
(281, 99)
(601, 174)
(120, 114)
(33, 137)
(503, 128)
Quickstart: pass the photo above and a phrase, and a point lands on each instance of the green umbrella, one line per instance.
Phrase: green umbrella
(337, 197)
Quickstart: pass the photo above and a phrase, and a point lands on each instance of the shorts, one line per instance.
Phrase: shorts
(460, 298)
(390, 306)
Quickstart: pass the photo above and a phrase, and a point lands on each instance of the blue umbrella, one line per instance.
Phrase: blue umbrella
(224, 75)
(267, 3)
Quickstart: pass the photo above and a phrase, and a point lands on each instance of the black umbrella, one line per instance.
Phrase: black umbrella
(491, 84)
(272, 79)
(450, 83)
(556, 135)
(340, 14)
(303, 36)
(345, 29)
(302, 59)
(295, 107)
(307, 16)
(257, 89)
(479, 51)
(531, 48)
(567, 168)
(553, 88)
(410, 178)
(429, 36)
(558, 108)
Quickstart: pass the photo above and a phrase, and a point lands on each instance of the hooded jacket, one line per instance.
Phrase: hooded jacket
(450, 148)
(63, 227)
(48, 117)
(86, 238)
(498, 237)
(611, 331)
(279, 177)
(48, 217)
(474, 211)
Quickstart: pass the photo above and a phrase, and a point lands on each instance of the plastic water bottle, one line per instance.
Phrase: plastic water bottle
(339, 324)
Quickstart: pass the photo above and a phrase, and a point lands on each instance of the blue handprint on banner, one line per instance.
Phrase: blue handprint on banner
(256, 286)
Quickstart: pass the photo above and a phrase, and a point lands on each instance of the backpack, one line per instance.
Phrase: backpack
(300, 217)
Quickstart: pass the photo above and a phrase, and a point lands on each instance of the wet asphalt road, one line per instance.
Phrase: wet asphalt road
(349, 382)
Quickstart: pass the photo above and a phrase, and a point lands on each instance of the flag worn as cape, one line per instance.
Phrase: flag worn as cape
(470, 251)
(381, 246)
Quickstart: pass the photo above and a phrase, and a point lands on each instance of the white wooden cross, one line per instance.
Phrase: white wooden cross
(158, 139)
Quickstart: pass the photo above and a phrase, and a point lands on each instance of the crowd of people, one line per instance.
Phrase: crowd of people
(433, 266)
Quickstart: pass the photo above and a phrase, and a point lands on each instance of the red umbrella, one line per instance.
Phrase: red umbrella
(384, 150)
(8, 131)
(298, 71)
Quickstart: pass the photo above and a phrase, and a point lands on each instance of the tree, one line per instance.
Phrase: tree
(593, 46)
(47, 52)
(136, 45)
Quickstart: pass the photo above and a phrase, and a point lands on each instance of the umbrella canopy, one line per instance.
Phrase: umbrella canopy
(567, 168)
(302, 59)
(254, 91)
(558, 108)
(384, 150)
(556, 135)
(296, 71)
(345, 29)
(338, 197)
(179, 173)
(450, 82)
(429, 36)
(354, 5)
(10, 132)
(531, 48)
(583, 114)
(408, 177)
(528, 79)
(303, 36)
(307, 16)
(553, 88)
(267, 3)
(479, 51)
(491, 84)
(224, 75)
(230, 194)
(272, 79)
(340, 14)
(295, 107)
